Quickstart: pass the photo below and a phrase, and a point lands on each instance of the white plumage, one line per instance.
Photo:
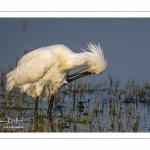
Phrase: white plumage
(40, 73)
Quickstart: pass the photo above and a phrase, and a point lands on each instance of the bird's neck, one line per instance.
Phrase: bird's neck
(78, 59)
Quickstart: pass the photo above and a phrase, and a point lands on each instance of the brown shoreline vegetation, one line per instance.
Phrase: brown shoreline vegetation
(81, 106)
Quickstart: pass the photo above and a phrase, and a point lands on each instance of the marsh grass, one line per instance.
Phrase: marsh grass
(81, 106)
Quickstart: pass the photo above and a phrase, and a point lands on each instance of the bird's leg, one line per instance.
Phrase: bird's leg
(49, 111)
(36, 105)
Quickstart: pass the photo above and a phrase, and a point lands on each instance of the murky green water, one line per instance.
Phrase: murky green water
(80, 107)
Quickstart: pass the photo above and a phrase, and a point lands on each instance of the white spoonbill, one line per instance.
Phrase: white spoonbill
(41, 72)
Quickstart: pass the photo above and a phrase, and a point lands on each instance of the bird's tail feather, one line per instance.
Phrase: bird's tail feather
(10, 80)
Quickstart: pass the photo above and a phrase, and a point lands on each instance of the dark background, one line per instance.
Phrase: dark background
(125, 41)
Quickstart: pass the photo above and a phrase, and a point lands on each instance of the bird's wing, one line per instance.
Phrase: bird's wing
(32, 67)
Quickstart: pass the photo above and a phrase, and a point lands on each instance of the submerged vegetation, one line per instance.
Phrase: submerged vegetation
(79, 107)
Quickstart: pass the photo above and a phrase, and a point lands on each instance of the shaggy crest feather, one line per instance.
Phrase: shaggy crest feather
(96, 54)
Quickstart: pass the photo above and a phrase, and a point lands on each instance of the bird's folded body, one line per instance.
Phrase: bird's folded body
(40, 73)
